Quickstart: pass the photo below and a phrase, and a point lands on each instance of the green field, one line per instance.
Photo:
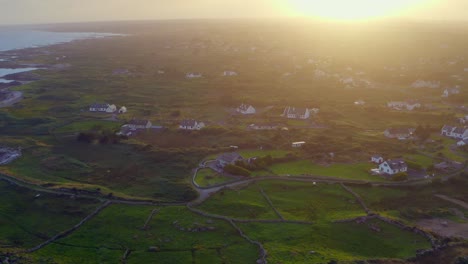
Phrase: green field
(170, 232)
(246, 203)
(208, 177)
(27, 218)
(292, 243)
(317, 203)
(358, 171)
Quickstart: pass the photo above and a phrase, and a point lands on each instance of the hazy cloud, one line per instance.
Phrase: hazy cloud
(44, 11)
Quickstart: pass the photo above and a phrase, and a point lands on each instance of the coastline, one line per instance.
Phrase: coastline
(14, 72)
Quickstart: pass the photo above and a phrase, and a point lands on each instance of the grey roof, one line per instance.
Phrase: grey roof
(295, 111)
(229, 157)
(96, 105)
(138, 122)
(447, 128)
(376, 156)
(244, 107)
(188, 123)
(397, 164)
(459, 130)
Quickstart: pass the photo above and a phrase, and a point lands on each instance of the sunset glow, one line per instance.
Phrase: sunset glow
(352, 9)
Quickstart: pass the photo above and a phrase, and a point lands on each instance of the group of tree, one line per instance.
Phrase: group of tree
(103, 137)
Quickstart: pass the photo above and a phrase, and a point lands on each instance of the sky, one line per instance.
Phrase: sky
(57, 11)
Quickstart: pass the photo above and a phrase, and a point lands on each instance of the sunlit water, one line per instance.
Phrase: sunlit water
(15, 39)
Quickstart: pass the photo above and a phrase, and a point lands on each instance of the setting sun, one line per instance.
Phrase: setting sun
(351, 10)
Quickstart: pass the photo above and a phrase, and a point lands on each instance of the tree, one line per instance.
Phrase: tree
(402, 176)
(236, 170)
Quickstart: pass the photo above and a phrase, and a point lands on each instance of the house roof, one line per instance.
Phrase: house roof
(97, 105)
(138, 122)
(397, 164)
(244, 107)
(447, 128)
(229, 157)
(295, 111)
(376, 156)
(188, 123)
(459, 130)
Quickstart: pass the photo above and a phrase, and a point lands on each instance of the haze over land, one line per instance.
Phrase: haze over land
(53, 11)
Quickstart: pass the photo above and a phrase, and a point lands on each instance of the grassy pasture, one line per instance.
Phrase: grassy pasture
(27, 217)
(359, 171)
(308, 202)
(290, 243)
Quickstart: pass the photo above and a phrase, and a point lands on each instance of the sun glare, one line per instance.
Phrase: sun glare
(351, 9)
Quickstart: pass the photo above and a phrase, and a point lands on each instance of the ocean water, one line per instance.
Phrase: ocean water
(4, 72)
(21, 38)
(11, 39)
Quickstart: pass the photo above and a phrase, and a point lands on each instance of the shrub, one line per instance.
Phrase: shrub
(236, 170)
(402, 176)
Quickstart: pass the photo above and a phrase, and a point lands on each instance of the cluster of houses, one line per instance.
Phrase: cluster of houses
(107, 108)
(137, 125)
(391, 166)
(451, 91)
(289, 112)
(195, 75)
(409, 105)
(459, 133)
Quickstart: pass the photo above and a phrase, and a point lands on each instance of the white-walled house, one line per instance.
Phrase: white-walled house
(191, 125)
(392, 167)
(425, 84)
(298, 144)
(377, 159)
(104, 108)
(454, 132)
(462, 142)
(192, 75)
(399, 133)
(450, 91)
(123, 110)
(409, 105)
(139, 124)
(246, 109)
(297, 113)
(230, 73)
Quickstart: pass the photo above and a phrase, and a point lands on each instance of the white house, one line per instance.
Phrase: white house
(463, 142)
(450, 91)
(263, 126)
(139, 124)
(230, 73)
(246, 109)
(298, 144)
(400, 133)
(191, 125)
(454, 132)
(297, 113)
(359, 102)
(409, 105)
(192, 75)
(377, 159)
(123, 110)
(425, 84)
(228, 158)
(107, 108)
(392, 167)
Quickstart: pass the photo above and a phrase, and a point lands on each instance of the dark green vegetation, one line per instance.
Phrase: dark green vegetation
(68, 149)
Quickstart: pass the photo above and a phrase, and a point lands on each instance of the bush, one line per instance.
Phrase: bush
(236, 170)
(402, 176)
(413, 165)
